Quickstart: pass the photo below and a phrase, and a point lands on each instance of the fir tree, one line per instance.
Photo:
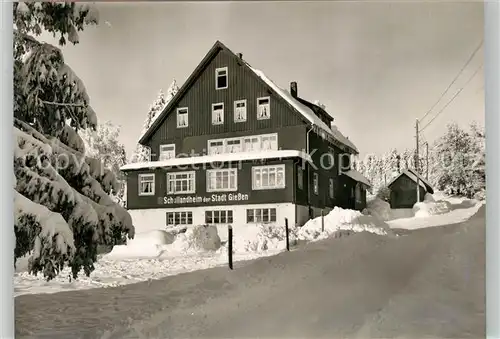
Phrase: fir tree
(63, 209)
(142, 153)
(103, 144)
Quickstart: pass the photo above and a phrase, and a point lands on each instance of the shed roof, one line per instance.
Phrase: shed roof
(413, 176)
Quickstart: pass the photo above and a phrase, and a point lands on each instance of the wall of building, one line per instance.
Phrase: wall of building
(242, 84)
(149, 219)
(244, 181)
(289, 138)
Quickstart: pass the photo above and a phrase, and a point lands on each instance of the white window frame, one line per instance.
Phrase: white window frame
(300, 177)
(212, 174)
(258, 171)
(214, 114)
(273, 142)
(258, 143)
(316, 183)
(268, 108)
(170, 153)
(217, 75)
(227, 215)
(229, 147)
(244, 115)
(153, 184)
(251, 137)
(210, 148)
(178, 116)
(172, 177)
(254, 212)
(186, 216)
(331, 188)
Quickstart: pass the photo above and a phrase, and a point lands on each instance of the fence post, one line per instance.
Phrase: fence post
(322, 221)
(230, 246)
(286, 234)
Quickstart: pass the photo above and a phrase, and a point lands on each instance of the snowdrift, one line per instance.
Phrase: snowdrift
(261, 238)
(157, 243)
(144, 245)
(379, 209)
(427, 208)
(340, 219)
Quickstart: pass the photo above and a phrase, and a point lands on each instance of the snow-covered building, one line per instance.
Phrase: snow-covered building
(232, 147)
(404, 189)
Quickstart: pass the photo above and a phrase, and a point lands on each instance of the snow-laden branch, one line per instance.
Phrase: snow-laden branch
(44, 233)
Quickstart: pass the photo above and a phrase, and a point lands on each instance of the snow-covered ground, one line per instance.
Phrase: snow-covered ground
(436, 210)
(157, 254)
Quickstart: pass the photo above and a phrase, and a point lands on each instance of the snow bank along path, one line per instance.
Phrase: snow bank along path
(157, 254)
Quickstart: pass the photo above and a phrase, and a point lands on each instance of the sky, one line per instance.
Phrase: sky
(377, 66)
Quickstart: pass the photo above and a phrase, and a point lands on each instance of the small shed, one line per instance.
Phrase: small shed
(404, 189)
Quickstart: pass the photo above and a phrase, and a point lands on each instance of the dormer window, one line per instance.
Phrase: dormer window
(221, 80)
(182, 117)
(263, 108)
(218, 114)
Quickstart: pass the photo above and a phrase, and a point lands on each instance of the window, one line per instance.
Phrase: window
(221, 78)
(268, 177)
(233, 145)
(251, 144)
(358, 192)
(218, 114)
(182, 117)
(147, 184)
(269, 142)
(222, 180)
(215, 146)
(218, 217)
(240, 111)
(167, 152)
(261, 215)
(315, 183)
(332, 195)
(179, 218)
(263, 108)
(300, 177)
(181, 182)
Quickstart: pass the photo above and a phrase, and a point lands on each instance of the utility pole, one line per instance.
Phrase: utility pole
(427, 160)
(416, 162)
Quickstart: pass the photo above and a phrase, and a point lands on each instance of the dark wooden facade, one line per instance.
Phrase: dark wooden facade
(244, 179)
(243, 84)
(198, 94)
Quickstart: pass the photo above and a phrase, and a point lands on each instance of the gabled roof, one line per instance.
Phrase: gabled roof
(306, 113)
(413, 176)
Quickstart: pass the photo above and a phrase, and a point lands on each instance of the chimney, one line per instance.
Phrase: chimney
(239, 55)
(293, 89)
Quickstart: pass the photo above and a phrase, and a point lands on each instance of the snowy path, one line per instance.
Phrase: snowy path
(460, 212)
(427, 284)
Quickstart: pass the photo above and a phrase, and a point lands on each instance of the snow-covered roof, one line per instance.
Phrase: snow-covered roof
(413, 176)
(355, 175)
(331, 133)
(304, 110)
(218, 158)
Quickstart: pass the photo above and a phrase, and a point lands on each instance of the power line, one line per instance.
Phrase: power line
(453, 98)
(455, 79)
